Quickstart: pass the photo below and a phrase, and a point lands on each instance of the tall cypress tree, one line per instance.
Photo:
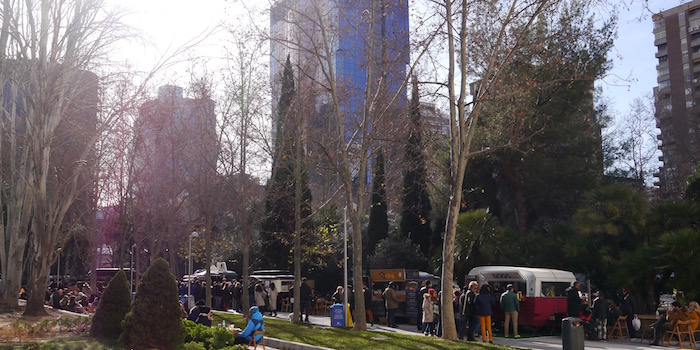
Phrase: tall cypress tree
(378, 227)
(278, 225)
(415, 219)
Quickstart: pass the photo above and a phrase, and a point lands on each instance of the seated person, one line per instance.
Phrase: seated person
(195, 311)
(204, 316)
(675, 314)
(255, 323)
(694, 313)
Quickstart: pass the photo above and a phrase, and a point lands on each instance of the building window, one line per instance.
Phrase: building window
(685, 53)
(688, 104)
(687, 78)
(694, 11)
(684, 42)
(662, 71)
(663, 58)
(688, 91)
(681, 16)
(686, 65)
(660, 35)
(664, 84)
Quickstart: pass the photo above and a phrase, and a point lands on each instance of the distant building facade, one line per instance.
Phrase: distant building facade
(677, 96)
(298, 32)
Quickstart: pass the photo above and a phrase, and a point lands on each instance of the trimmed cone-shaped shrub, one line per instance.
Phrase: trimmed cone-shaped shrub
(113, 306)
(154, 320)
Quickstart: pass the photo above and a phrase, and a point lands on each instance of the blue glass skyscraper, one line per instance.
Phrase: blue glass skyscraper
(357, 43)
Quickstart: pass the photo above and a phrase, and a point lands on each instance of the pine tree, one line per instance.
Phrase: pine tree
(155, 317)
(278, 225)
(114, 304)
(415, 219)
(378, 227)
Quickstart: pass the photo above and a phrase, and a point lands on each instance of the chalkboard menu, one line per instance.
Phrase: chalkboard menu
(412, 298)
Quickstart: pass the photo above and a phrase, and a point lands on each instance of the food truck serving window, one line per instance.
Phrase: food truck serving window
(554, 289)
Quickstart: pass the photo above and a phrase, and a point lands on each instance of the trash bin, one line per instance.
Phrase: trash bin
(572, 337)
(337, 315)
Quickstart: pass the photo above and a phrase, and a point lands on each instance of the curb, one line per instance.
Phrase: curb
(290, 345)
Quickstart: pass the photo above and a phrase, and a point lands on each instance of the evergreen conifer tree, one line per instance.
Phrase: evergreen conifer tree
(415, 214)
(154, 320)
(278, 225)
(378, 227)
(113, 306)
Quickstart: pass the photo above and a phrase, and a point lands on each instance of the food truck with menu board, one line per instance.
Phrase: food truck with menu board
(407, 284)
(542, 291)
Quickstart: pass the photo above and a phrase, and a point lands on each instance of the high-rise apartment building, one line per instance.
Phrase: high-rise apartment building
(357, 42)
(301, 29)
(677, 96)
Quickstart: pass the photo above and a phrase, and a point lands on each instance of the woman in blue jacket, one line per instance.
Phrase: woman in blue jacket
(255, 323)
(484, 308)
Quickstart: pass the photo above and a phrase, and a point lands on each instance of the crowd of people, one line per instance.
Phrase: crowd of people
(227, 295)
(76, 297)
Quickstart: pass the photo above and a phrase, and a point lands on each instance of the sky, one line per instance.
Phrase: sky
(169, 24)
(634, 62)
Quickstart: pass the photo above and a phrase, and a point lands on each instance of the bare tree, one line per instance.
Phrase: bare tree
(635, 142)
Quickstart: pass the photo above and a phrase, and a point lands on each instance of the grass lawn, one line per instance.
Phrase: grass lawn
(340, 338)
(67, 343)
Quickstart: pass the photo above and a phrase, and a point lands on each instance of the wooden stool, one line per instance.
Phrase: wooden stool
(285, 305)
(261, 342)
(620, 329)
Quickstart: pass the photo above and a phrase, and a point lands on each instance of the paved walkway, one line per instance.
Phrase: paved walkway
(544, 342)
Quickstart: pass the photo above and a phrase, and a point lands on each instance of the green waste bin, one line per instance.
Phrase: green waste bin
(572, 337)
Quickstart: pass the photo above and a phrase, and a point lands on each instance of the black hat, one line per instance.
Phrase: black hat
(509, 286)
(200, 302)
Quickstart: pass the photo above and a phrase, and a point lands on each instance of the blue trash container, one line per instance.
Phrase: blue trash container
(337, 315)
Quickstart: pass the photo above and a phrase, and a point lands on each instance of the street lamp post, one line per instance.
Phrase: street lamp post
(189, 269)
(345, 263)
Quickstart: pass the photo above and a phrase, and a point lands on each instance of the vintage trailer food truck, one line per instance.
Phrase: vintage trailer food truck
(542, 291)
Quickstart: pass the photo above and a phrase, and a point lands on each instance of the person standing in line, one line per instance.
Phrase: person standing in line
(260, 297)
(456, 309)
(628, 307)
(573, 300)
(305, 296)
(425, 285)
(484, 308)
(368, 303)
(600, 315)
(391, 304)
(511, 307)
(468, 311)
(427, 311)
(273, 299)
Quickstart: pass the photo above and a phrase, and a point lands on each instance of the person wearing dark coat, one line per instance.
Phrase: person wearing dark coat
(600, 315)
(484, 309)
(468, 311)
(426, 285)
(305, 296)
(196, 310)
(573, 300)
(368, 303)
(628, 307)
